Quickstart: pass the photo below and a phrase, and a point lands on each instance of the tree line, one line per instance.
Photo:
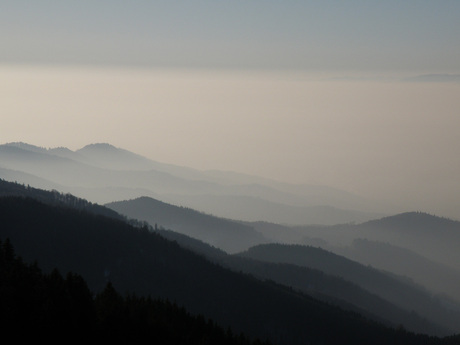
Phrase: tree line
(53, 307)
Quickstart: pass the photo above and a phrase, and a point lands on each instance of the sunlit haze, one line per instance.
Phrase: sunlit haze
(302, 93)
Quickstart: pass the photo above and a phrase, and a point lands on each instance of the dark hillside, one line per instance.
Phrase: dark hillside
(54, 198)
(325, 287)
(136, 260)
(50, 305)
(404, 294)
(225, 234)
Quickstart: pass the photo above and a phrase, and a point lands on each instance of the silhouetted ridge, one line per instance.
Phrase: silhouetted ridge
(414, 221)
(25, 146)
(105, 148)
(55, 198)
(103, 173)
(387, 286)
(50, 305)
(139, 261)
(226, 234)
(99, 147)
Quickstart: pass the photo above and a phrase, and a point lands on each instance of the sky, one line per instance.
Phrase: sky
(312, 92)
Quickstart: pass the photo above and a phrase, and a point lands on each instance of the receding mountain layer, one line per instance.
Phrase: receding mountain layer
(103, 173)
(228, 235)
(103, 249)
(325, 287)
(389, 287)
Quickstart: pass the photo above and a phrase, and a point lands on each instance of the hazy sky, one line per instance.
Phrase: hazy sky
(312, 35)
(302, 91)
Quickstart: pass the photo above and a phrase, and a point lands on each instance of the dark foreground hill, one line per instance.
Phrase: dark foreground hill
(135, 260)
(55, 198)
(49, 305)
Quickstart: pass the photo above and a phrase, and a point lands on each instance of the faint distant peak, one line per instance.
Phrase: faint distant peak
(25, 146)
(106, 149)
(413, 219)
(435, 78)
(107, 156)
(61, 149)
(99, 147)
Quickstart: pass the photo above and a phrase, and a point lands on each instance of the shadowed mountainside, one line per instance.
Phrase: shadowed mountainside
(52, 308)
(102, 249)
(48, 241)
(329, 288)
(228, 235)
(389, 287)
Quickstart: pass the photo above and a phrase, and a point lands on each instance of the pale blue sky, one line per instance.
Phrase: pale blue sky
(312, 35)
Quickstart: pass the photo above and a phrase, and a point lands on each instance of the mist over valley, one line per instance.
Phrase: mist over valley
(396, 270)
(233, 173)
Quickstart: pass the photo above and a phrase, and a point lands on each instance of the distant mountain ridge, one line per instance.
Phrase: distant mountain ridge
(428, 243)
(103, 173)
(435, 276)
(220, 194)
(225, 234)
(434, 237)
(415, 222)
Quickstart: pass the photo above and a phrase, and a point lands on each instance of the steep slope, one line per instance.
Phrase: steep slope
(54, 198)
(56, 309)
(384, 285)
(102, 249)
(222, 233)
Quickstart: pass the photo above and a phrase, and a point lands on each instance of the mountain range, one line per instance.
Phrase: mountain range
(405, 244)
(103, 173)
(226, 234)
(396, 271)
(73, 235)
